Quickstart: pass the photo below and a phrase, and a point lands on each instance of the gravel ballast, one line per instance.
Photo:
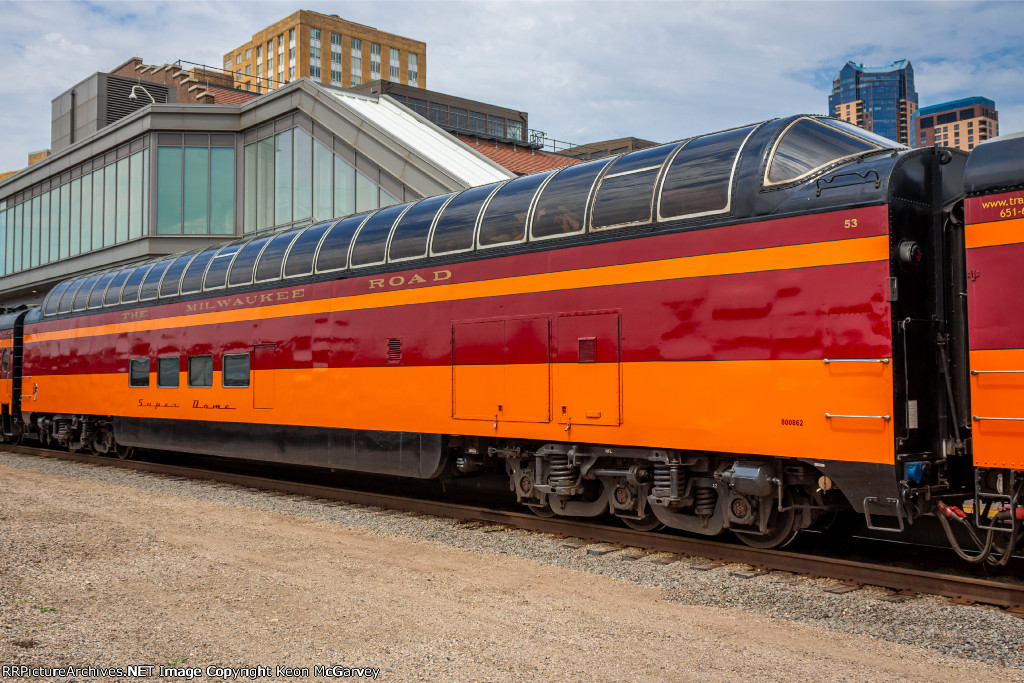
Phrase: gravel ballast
(107, 567)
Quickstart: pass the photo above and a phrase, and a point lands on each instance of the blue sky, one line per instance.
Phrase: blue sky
(584, 71)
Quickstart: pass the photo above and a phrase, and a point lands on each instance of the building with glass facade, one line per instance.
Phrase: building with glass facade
(326, 49)
(173, 177)
(880, 99)
(962, 124)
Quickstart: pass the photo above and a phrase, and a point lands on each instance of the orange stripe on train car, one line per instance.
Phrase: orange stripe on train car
(860, 250)
(774, 407)
(997, 391)
(994, 234)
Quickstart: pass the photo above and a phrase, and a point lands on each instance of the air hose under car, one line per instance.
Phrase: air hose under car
(944, 513)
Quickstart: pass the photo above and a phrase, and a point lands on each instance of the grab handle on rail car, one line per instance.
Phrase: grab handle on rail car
(860, 417)
(997, 372)
(883, 361)
(978, 418)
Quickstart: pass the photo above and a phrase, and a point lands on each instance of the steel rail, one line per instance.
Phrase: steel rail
(968, 589)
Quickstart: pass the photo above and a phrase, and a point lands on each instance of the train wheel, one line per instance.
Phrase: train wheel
(542, 510)
(647, 523)
(123, 452)
(781, 533)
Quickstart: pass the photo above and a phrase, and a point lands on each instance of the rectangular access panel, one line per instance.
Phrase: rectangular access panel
(587, 369)
(500, 370)
(264, 376)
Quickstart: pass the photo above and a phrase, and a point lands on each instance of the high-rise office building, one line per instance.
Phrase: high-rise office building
(880, 99)
(961, 124)
(326, 49)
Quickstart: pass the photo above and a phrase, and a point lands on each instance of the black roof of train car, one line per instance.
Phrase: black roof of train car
(799, 164)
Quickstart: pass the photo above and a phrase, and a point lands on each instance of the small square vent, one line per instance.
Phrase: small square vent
(587, 349)
(394, 350)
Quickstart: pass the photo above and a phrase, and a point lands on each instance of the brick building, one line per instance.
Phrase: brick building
(961, 124)
(326, 49)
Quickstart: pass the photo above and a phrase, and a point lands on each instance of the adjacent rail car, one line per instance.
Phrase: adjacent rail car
(739, 331)
(994, 240)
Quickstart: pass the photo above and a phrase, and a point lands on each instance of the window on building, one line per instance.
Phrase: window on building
(200, 371)
(477, 122)
(248, 53)
(138, 372)
(248, 70)
(457, 118)
(314, 33)
(238, 58)
(168, 372)
(195, 188)
(336, 39)
(259, 52)
(413, 68)
(227, 63)
(394, 63)
(496, 126)
(417, 105)
(438, 114)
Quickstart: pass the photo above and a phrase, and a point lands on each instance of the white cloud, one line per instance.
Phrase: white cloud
(583, 70)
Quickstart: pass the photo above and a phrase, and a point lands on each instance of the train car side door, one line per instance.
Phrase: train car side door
(587, 369)
(264, 376)
(6, 385)
(500, 369)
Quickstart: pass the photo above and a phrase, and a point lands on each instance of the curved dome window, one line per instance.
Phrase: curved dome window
(698, 181)
(808, 146)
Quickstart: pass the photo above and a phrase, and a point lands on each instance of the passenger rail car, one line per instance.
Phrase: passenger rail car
(741, 331)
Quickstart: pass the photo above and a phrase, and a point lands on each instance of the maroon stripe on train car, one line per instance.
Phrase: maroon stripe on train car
(824, 227)
(995, 283)
(810, 313)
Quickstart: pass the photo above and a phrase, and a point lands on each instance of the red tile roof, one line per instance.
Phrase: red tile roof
(521, 160)
(230, 95)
